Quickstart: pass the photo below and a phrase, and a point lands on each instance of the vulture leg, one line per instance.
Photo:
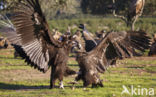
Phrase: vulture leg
(94, 85)
(98, 82)
(52, 78)
(86, 83)
(61, 85)
(79, 76)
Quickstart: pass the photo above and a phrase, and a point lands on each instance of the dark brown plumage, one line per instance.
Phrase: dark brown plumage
(90, 43)
(115, 45)
(32, 39)
(152, 51)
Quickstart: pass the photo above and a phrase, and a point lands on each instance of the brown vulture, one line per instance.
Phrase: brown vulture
(3, 43)
(115, 45)
(136, 8)
(32, 39)
(57, 34)
(152, 51)
(90, 43)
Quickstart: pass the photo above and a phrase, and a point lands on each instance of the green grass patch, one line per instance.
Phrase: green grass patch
(98, 24)
(20, 80)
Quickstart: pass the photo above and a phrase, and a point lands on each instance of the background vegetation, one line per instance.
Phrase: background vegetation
(70, 8)
(99, 23)
(95, 13)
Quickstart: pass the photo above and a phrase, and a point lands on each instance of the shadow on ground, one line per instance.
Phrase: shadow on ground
(5, 86)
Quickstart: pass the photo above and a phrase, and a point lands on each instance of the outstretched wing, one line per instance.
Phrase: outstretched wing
(90, 43)
(119, 45)
(30, 34)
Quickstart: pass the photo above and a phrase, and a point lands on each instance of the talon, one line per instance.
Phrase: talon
(61, 85)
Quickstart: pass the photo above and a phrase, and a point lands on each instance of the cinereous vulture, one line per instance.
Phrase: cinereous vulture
(90, 43)
(115, 45)
(32, 39)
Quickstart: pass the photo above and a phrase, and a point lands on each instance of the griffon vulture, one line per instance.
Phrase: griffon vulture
(32, 39)
(115, 45)
(136, 8)
(3, 43)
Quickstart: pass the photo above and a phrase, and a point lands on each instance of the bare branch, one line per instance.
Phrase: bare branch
(134, 19)
(118, 16)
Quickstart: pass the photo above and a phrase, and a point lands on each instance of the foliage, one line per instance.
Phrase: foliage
(51, 8)
(20, 80)
(101, 7)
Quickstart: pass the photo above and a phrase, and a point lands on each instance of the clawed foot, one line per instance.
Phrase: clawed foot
(61, 85)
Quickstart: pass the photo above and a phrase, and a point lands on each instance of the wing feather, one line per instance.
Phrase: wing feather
(30, 34)
(118, 45)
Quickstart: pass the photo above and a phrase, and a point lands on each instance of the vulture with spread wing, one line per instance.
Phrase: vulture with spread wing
(115, 45)
(32, 39)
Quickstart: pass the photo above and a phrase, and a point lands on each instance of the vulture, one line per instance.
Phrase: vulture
(114, 46)
(57, 34)
(152, 51)
(136, 8)
(3, 43)
(90, 43)
(31, 37)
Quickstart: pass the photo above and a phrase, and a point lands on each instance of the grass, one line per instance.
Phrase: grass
(98, 24)
(94, 24)
(20, 80)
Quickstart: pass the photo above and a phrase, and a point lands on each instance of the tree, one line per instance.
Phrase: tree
(59, 7)
(49, 7)
(124, 9)
(135, 9)
(97, 7)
